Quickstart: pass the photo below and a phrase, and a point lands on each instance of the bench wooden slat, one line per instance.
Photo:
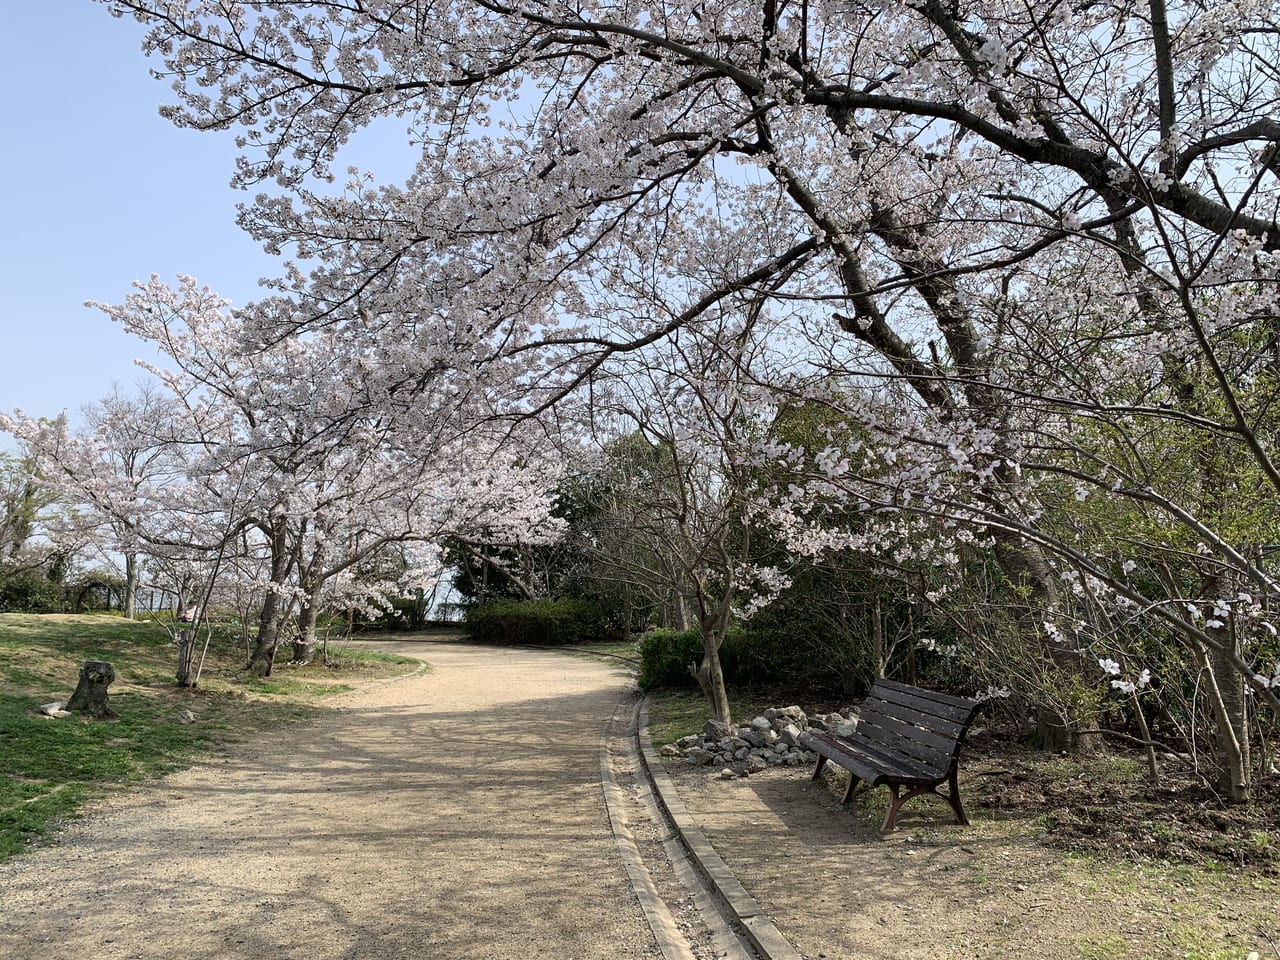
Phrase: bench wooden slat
(900, 726)
(876, 759)
(930, 762)
(906, 737)
(948, 699)
(955, 712)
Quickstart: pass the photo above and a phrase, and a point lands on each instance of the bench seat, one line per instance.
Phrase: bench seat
(906, 737)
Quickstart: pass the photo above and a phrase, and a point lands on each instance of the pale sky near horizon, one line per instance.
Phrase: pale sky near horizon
(101, 191)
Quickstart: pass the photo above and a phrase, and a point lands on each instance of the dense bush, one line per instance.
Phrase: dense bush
(548, 622)
(30, 593)
(665, 656)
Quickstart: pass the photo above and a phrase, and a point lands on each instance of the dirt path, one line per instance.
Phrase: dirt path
(456, 814)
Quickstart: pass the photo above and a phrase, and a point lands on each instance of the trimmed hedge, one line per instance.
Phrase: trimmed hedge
(30, 593)
(544, 622)
(665, 656)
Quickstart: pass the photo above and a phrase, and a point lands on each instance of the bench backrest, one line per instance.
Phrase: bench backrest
(922, 725)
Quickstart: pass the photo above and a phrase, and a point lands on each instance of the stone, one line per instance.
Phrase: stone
(844, 728)
(761, 723)
(754, 737)
(715, 730)
(790, 735)
(742, 753)
(670, 750)
(756, 764)
(728, 774)
(771, 737)
(49, 709)
(186, 716)
(780, 748)
(684, 743)
(698, 757)
(817, 723)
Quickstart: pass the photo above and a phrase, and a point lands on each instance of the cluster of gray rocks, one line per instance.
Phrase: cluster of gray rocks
(769, 740)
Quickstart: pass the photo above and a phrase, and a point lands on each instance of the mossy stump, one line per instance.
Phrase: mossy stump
(90, 697)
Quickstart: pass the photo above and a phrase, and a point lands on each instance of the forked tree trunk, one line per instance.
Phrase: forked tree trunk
(304, 647)
(1228, 698)
(1226, 691)
(264, 651)
(1025, 566)
(710, 677)
(186, 653)
(90, 697)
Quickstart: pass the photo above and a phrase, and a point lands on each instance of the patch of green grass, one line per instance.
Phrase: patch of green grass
(1105, 947)
(351, 658)
(282, 685)
(50, 768)
(623, 650)
(680, 713)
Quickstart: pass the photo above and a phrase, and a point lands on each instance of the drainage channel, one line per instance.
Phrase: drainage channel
(687, 919)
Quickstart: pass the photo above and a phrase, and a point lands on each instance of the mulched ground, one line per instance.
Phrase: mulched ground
(1106, 805)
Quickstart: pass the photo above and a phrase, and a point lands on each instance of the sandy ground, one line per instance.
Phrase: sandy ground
(454, 814)
(459, 814)
(837, 889)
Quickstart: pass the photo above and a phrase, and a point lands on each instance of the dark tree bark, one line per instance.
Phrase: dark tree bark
(186, 652)
(90, 697)
(273, 612)
(304, 646)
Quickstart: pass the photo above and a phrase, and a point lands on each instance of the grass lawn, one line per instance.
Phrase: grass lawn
(49, 768)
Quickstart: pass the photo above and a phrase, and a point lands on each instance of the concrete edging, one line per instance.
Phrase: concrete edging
(759, 929)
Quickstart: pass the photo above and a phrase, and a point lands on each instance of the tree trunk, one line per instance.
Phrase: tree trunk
(90, 697)
(1058, 727)
(877, 637)
(710, 677)
(264, 650)
(1226, 685)
(1227, 697)
(186, 653)
(304, 647)
(130, 603)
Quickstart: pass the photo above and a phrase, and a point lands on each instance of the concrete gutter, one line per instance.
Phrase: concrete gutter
(759, 929)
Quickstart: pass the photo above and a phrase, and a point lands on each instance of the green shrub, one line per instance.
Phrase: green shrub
(544, 622)
(30, 593)
(665, 656)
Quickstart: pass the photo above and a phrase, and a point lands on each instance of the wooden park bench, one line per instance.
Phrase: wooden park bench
(906, 738)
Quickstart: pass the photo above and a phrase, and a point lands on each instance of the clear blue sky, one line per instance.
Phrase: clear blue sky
(99, 191)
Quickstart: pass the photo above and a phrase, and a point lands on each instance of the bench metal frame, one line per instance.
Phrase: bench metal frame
(906, 738)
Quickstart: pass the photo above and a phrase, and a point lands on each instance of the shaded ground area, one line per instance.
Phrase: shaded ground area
(1106, 806)
(456, 814)
(996, 889)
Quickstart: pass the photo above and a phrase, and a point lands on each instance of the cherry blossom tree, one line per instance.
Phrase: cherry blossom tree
(1010, 218)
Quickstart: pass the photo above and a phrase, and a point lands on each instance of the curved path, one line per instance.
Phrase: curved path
(454, 814)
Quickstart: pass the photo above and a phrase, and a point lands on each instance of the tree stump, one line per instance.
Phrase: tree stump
(90, 697)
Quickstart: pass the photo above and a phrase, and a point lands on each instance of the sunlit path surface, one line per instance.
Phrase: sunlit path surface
(456, 814)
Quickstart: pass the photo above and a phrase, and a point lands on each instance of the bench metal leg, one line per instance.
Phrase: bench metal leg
(891, 815)
(817, 771)
(854, 784)
(953, 798)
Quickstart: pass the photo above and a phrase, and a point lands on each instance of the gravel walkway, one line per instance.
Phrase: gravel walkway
(455, 814)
